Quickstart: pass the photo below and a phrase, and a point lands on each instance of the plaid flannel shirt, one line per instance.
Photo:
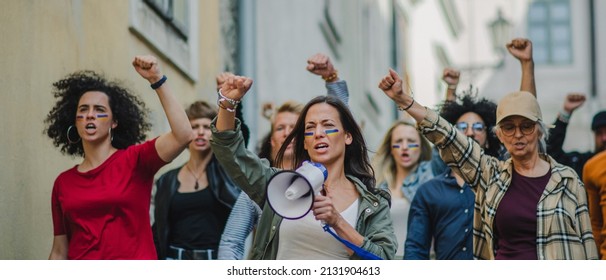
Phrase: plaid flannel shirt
(563, 225)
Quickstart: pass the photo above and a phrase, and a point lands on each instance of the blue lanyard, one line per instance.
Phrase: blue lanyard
(357, 250)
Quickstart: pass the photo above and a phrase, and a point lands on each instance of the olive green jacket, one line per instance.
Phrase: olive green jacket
(251, 173)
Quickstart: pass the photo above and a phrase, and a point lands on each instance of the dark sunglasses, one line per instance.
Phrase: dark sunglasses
(509, 128)
(476, 127)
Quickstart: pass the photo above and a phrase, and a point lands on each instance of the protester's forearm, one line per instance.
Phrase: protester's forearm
(528, 79)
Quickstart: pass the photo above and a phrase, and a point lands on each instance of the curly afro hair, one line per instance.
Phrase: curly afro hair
(468, 101)
(128, 110)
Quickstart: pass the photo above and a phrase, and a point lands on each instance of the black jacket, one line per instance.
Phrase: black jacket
(221, 185)
(555, 142)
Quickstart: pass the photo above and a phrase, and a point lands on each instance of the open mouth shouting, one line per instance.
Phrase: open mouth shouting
(405, 156)
(321, 148)
(90, 128)
(199, 141)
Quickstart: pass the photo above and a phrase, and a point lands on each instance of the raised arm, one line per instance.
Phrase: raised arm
(245, 168)
(557, 134)
(221, 78)
(451, 77)
(521, 48)
(457, 150)
(231, 93)
(573, 101)
(393, 87)
(171, 144)
(320, 64)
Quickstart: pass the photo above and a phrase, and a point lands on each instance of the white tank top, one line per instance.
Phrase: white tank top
(305, 239)
(400, 207)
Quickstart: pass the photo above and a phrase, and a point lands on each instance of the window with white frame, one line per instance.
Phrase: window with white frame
(169, 27)
(174, 13)
(550, 31)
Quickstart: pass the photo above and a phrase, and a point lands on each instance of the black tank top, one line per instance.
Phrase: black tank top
(196, 220)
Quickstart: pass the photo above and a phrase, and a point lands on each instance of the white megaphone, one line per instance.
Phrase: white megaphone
(291, 193)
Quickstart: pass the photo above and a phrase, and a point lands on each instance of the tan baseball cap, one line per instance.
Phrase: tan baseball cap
(519, 103)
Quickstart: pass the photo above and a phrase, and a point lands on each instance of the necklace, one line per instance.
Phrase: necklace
(197, 186)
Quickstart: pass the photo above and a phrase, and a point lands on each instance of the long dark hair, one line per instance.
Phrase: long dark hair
(129, 112)
(356, 161)
(264, 148)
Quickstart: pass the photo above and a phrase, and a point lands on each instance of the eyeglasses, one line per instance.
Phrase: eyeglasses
(476, 127)
(509, 128)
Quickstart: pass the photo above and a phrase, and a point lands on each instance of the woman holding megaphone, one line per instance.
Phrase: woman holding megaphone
(327, 134)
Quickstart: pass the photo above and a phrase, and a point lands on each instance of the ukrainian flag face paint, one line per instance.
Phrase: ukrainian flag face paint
(331, 131)
(99, 116)
(411, 146)
(325, 138)
(406, 146)
(328, 132)
(93, 116)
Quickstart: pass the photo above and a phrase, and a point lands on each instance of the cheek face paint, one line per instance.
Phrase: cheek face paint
(308, 134)
(102, 116)
(79, 117)
(331, 131)
(413, 146)
(395, 146)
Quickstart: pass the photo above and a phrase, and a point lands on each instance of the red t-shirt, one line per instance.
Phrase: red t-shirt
(105, 212)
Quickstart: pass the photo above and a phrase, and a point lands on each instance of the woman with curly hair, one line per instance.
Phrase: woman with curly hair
(439, 210)
(473, 116)
(101, 206)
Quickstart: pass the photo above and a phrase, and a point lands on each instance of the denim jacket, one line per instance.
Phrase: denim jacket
(412, 182)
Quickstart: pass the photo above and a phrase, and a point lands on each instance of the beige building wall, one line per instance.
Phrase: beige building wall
(42, 41)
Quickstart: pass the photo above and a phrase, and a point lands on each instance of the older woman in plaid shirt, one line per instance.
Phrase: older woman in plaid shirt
(527, 207)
